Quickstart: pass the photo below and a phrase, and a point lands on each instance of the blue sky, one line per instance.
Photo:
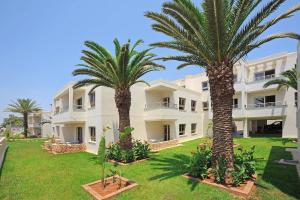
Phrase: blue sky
(41, 40)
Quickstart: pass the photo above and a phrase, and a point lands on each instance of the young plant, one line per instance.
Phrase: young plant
(101, 156)
(220, 170)
(199, 163)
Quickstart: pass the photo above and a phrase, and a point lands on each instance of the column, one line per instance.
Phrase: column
(71, 99)
(246, 128)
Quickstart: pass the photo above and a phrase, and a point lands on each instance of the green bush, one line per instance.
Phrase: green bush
(127, 156)
(140, 150)
(220, 170)
(244, 165)
(114, 152)
(200, 163)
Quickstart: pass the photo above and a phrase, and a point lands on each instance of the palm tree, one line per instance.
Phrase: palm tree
(24, 107)
(215, 37)
(289, 80)
(120, 72)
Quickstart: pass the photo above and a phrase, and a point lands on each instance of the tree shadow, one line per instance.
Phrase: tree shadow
(283, 177)
(170, 166)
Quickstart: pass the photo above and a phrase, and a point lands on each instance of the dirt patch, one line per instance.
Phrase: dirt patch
(243, 190)
(113, 186)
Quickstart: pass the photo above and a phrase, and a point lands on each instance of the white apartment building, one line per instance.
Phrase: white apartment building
(179, 110)
(255, 107)
(160, 112)
(39, 124)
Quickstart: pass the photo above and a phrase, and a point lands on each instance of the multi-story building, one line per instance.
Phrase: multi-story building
(39, 124)
(160, 112)
(298, 111)
(256, 110)
(180, 110)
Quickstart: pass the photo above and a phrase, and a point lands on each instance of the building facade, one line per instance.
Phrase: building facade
(180, 110)
(256, 110)
(39, 124)
(160, 112)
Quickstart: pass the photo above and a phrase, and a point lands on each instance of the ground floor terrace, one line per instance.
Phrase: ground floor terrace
(31, 173)
(159, 133)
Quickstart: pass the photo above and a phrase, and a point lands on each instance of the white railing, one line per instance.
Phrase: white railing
(236, 106)
(78, 108)
(61, 110)
(160, 105)
(3, 147)
(266, 105)
(261, 78)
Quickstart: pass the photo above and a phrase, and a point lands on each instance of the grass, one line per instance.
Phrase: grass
(31, 173)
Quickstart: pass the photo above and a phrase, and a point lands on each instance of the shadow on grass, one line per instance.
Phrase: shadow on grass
(283, 177)
(170, 166)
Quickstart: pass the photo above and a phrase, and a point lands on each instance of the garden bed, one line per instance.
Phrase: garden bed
(243, 190)
(111, 189)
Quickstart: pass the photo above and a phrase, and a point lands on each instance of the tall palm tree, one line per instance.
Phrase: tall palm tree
(24, 107)
(289, 80)
(120, 72)
(215, 36)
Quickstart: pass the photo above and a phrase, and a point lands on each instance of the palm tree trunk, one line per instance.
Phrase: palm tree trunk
(123, 103)
(221, 91)
(25, 124)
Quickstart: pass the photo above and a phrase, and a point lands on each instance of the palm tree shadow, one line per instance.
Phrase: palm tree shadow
(170, 166)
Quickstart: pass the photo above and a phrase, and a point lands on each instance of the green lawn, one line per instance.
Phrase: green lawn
(31, 173)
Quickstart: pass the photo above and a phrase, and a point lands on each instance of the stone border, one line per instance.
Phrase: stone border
(126, 164)
(241, 193)
(97, 196)
(3, 151)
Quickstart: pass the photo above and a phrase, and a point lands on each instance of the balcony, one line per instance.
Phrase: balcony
(237, 111)
(258, 83)
(161, 111)
(268, 109)
(66, 115)
(34, 124)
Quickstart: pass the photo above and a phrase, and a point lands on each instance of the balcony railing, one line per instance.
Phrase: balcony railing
(160, 105)
(266, 77)
(61, 110)
(236, 106)
(266, 105)
(78, 108)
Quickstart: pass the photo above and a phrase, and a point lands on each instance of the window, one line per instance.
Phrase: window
(264, 75)
(181, 103)
(204, 86)
(265, 101)
(92, 134)
(193, 128)
(193, 105)
(166, 102)
(78, 105)
(270, 74)
(234, 78)
(270, 100)
(259, 76)
(92, 99)
(296, 99)
(181, 129)
(205, 105)
(235, 103)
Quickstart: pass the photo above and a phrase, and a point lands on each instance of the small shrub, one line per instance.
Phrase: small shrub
(245, 159)
(140, 150)
(220, 170)
(127, 156)
(199, 163)
(238, 175)
(114, 152)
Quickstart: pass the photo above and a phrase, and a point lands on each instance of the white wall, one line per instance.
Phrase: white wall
(298, 111)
